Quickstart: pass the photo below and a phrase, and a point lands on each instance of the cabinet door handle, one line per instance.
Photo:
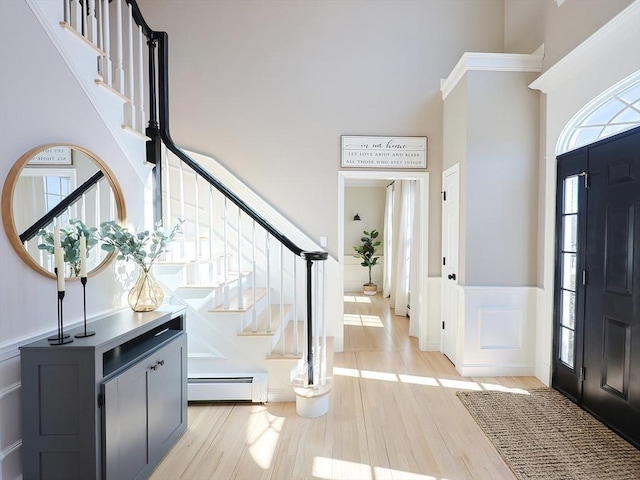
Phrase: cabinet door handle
(161, 362)
(154, 367)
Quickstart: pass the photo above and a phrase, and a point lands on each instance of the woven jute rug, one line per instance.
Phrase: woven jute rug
(543, 435)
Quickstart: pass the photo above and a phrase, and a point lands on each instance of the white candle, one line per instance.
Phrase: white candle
(83, 256)
(60, 267)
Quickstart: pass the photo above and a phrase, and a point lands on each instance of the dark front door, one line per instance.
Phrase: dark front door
(597, 324)
(611, 387)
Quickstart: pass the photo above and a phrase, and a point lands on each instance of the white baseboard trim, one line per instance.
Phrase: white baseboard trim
(243, 387)
(495, 370)
(433, 347)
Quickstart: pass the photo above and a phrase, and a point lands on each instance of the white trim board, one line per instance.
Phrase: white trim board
(492, 62)
(622, 32)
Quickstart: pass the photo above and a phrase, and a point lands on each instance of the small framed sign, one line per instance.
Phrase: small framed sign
(383, 152)
(55, 156)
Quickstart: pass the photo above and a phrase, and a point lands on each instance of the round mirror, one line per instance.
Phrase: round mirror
(65, 186)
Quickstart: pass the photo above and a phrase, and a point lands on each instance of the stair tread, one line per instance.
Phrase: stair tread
(276, 321)
(247, 298)
(217, 283)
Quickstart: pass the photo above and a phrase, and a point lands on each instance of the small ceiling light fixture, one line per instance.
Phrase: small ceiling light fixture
(356, 218)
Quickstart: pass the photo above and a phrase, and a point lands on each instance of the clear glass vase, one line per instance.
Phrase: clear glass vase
(146, 295)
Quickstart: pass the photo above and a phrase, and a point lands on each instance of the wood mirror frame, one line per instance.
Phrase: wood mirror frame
(9, 191)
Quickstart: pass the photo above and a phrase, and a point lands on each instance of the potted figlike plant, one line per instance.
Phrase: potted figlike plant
(144, 248)
(367, 253)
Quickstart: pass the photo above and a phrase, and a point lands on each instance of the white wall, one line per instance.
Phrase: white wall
(42, 103)
(501, 180)
(530, 23)
(268, 88)
(369, 203)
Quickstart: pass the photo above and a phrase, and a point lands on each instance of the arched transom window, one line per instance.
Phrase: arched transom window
(614, 111)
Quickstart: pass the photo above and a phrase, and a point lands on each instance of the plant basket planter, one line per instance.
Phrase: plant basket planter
(370, 289)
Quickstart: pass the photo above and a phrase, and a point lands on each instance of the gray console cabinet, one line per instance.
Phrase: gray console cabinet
(108, 406)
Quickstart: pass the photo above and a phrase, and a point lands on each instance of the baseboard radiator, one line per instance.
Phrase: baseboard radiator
(233, 388)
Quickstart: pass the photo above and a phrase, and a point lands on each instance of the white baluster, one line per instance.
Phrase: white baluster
(323, 321)
(268, 255)
(83, 18)
(119, 54)
(282, 322)
(83, 207)
(295, 305)
(130, 106)
(99, 39)
(182, 208)
(141, 113)
(211, 234)
(92, 23)
(66, 17)
(198, 247)
(239, 252)
(112, 205)
(97, 202)
(106, 71)
(75, 15)
(253, 277)
(166, 184)
(226, 255)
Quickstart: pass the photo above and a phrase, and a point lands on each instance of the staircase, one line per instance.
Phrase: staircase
(256, 301)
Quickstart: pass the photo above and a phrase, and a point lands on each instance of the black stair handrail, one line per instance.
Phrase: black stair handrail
(158, 128)
(65, 203)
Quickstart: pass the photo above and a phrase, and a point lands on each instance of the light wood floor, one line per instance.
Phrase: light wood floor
(393, 414)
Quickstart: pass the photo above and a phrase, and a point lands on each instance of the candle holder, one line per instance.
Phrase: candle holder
(61, 338)
(60, 334)
(83, 281)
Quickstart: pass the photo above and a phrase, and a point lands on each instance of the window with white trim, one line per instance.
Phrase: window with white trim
(614, 111)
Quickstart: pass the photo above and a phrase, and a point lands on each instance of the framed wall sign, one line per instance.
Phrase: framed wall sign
(383, 152)
(55, 156)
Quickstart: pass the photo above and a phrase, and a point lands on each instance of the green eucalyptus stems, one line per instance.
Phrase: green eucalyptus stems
(367, 251)
(144, 247)
(70, 242)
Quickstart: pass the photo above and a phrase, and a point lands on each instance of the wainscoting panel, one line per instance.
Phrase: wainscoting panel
(10, 418)
(497, 331)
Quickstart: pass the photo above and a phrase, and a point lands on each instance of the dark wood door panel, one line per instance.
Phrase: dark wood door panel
(611, 388)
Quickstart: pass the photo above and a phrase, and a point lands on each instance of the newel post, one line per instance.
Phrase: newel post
(154, 144)
(310, 257)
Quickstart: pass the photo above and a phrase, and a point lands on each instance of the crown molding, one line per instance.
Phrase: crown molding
(621, 32)
(492, 62)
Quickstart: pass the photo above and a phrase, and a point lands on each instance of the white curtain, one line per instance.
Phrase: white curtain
(402, 240)
(414, 326)
(387, 243)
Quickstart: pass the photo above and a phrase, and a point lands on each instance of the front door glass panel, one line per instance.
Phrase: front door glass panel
(569, 275)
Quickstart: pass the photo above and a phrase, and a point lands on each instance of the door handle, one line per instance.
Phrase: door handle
(452, 276)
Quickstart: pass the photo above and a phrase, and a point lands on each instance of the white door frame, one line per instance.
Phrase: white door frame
(449, 299)
(423, 199)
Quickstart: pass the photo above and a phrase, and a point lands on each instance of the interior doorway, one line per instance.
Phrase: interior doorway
(419, 290)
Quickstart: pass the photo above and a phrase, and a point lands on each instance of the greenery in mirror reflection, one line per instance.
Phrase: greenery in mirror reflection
(70, 242)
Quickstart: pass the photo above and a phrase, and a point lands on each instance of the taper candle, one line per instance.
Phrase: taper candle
(60, 267)
(83, 256)
(56, 237)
